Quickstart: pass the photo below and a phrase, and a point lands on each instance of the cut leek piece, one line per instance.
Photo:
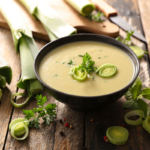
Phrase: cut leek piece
(146, 124)
(138, 51)
(117, 135)
(25, 45)
(0, 93)
(19, 128)
(78, 74)
(55, 26)
(5, 72)
(139, 113)
(84, 7)
(107, 70)
(17, 121)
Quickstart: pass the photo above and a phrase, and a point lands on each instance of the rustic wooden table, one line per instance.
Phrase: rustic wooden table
(85, 134)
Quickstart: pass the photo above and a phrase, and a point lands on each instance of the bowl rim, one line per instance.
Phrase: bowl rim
(88, 34)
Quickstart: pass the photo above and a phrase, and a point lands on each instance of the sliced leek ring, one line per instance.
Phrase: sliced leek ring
(139, 113)
(15, 128)
(117, 135)
(78, 74)
(146, 124)
(138, 51)
(107, 70)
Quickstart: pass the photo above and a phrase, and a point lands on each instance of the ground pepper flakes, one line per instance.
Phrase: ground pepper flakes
(105, 137)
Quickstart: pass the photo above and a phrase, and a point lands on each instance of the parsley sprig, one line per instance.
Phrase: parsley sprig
(47, 113)
(135, 96)
(127, 39)
(87, 63)
(96, 16)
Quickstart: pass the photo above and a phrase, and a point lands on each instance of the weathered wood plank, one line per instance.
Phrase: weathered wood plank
(113, 114)
(7, 51)
(145, 12)
(72, 138)
(38, 139)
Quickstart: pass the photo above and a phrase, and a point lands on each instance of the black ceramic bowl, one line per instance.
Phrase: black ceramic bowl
(86, 102)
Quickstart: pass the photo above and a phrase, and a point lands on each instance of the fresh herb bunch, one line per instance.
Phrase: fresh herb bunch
(47, 113)
(87, 64)
(135, 96)
(127, 39)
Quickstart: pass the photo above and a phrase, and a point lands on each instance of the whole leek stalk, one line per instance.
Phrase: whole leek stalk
(55, 26)
(5, 74)
(25, 45)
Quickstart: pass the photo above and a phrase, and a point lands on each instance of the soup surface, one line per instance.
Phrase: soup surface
(54, 68)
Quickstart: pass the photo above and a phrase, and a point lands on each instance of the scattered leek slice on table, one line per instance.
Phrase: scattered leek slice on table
(117, 135)
(146, 124)
(138, 51)
(19, 128)
(5, 73)
(55, 26)
(84, 7)
(134, 113)
(107, 70)
(25, 45)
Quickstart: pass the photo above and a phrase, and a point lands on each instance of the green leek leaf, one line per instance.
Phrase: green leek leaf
(54, 25)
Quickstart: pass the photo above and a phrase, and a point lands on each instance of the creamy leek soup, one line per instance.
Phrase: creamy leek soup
(55, 66)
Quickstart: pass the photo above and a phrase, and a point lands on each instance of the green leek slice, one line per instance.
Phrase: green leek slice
(1, 93)
(55, 26)
(5, 71)
(138, 51)
(84, 7)
(25, 45)
(17, 121)
(19, 128)
(117, 135)
(107, 70)
(146, 124)
(78, 74)
(139, 113)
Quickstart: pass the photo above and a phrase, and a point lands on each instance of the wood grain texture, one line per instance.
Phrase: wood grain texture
(113, 114)
(67, 13)
(72, 138)
(7, 50)
(37, 139)
(145, 12)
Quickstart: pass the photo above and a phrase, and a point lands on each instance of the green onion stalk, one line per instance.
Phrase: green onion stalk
(26, 47)
(5, 73)
(54, 25)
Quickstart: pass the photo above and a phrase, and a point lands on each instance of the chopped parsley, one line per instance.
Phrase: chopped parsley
(99, 58)
(57, 62)
(63, 62)
(93, 78)
(71, 62)
(105, 56)
(55, 75)
(100, 50)
(80, 55)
